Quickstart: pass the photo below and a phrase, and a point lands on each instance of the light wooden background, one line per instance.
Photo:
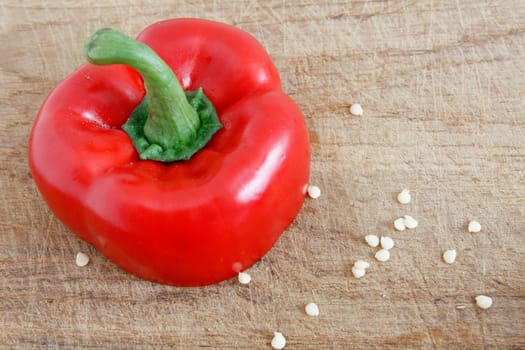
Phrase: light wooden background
(443, 88)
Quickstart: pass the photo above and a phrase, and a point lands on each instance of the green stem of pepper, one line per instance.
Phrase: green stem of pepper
(166, 126)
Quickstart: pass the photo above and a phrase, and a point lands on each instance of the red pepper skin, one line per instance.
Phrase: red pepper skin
(188, 223)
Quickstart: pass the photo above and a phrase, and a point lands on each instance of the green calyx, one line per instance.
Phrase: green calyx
(169, 124)
(209, 124)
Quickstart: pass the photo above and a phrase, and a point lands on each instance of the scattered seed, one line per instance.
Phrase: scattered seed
(410, 222)
(404, 197)
(244, 278)
(314, 191)
(372, 240)
(82, 259)
(450, 256)
(387, 243)
(312, 309)
(474, 226)
(361, 264)
(358, 273)
(383, 255)
(484, 301)
(399, 224)
(356, 109)
(461, 306)
(278, 341)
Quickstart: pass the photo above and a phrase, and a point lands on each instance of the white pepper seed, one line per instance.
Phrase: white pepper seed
(278, 341)
(356, 109)
(399, 224)
(313, 191)
(372, 240)
(81, 259)
(410, 222)
(244, 278)
(358, 273)
(474, 226)
(484, 301)
(450, 256)
(387, 243)
(361, 264)
(382, 255)
(311, 309)
(404, 197)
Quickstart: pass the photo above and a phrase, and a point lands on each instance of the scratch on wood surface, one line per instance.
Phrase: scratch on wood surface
(430, 43)
(460, 14)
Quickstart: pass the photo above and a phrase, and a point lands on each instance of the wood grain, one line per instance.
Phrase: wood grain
(442, 84)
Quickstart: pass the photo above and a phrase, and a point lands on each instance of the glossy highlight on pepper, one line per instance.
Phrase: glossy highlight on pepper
(188, 222)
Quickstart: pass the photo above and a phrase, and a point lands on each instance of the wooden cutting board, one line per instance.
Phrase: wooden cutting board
(442, 84)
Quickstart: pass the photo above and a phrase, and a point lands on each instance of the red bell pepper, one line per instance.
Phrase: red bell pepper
(146, 172)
